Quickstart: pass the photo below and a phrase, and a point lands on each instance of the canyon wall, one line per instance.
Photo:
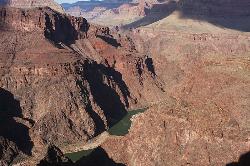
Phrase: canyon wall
(59, 75)
(28, 4)
(205, 119)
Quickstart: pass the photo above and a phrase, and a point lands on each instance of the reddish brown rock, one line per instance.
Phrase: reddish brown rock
(75, 80)
(179, 136)
(205, 120)
(63, 81)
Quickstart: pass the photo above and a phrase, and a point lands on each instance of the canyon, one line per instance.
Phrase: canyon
(28, 4)
(175, 15)
(57, 89)
(66, 81)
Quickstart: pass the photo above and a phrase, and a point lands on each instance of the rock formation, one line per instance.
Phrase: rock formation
(27, 4)
(8, 151)
(54, 156)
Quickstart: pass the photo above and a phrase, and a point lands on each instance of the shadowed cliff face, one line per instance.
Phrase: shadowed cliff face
(56, 27)
(60, 29)
(150, 66)
(9, 106)
(109, 40)
(83, 106)
(104, 83)
(223, 13)
(10, 128)
(244, 160)
(53, 157)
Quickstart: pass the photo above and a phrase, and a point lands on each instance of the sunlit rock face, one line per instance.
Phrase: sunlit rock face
(32, 3)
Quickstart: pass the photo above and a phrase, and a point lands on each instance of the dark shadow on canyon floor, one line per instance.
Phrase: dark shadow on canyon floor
(226, 14)
(96, 158)
(10, 128)
(55, 157)
(156, 13)
(109, 40)
(150, 66)
(244, 160)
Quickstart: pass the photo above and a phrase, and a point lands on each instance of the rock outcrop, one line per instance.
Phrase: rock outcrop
(8, 151)
(56, 27)
(54, 156)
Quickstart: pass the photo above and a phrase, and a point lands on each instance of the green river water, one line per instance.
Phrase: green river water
(119, 129)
